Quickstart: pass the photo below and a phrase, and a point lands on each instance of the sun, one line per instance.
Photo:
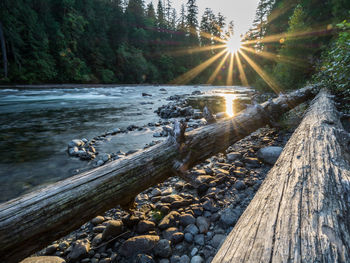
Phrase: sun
(233, 44)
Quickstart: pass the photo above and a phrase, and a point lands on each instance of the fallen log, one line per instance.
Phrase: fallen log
(301, 213)
(30, 222)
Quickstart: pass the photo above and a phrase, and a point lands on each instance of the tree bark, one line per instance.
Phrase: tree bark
(3, 50)
(301, 212)
(30, 222)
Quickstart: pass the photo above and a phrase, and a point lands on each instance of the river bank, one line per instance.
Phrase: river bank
(174, 222)
(37, 124)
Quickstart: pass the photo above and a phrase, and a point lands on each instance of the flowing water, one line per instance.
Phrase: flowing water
(36, 125)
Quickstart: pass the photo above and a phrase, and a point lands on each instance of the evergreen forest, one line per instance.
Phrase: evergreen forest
(133, 42)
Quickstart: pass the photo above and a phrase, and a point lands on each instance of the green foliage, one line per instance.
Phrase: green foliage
(334, 71)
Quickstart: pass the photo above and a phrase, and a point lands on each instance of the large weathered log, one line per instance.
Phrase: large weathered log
(30, 222)
(301, 212)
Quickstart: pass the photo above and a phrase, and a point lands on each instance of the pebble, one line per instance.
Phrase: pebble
(113, 229)
(187, 219)
(138, 244)
(199, 239)
(194, 251)
(217, 240)
(188, 237)
(202, 224)
(145, 226)
(270, 154)
(169, 220)
(80, 249)
(197, 259)
(97, 220)
(163, 249)
(192, 229)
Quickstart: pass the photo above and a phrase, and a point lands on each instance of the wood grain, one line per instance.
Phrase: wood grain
(301, 212)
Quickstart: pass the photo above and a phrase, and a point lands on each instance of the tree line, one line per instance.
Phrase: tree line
(290, 38)
(102, 41)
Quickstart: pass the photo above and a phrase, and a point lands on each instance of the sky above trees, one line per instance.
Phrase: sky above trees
(241, 12)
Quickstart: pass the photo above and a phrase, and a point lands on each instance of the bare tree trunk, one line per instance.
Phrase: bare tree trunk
(30, 222)
(301, 213)
(3, 50)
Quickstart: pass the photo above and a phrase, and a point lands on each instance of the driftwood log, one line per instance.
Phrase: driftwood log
(301, 212)
(30, 222)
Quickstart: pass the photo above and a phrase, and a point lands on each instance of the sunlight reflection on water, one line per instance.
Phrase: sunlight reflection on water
(229, 100)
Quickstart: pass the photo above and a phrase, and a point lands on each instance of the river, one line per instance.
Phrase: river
(37, 123)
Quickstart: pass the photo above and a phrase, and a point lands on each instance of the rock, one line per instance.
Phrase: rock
(143, 258)
(156, 192)
(138, 244)
(75, 143)
(187, 219)
(105, 260)
(199, 239)
(184, 259)
(269, 154)
(97, 240)
(73, 151)
(177, 238)
(97, 220)
(44, 259)
(63, 245)
(194, 251)
(192, 229)
(233, 156)
(130, 220)
(252, 162)
(171, 198)
(188, 237)
(51, 249)
(167, 234)
(145, 226)
(239, 185)
(146, 95)
(113, 228)
(105, 157)
(197, 259)
(162, 89)
(202, 224)
(163, 249)
(80, 249)
(229, 217)
(99, 229)
(115, 131)
(169, 220)
(217, 240)
(197, 92)
(164, 260)
(204, 179)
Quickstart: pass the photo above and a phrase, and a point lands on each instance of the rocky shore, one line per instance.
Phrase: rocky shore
(173, 221)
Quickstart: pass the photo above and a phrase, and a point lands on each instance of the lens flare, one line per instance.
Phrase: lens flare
(233, 44)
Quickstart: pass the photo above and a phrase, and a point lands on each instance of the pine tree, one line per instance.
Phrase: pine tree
(192, 22)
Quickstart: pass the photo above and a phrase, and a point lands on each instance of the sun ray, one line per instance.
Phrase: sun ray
(294, 61)
(195, 50)
(229, 80)
(242, 74)
(216, 72)
(188, 76)
(261, 73)
(324, 30)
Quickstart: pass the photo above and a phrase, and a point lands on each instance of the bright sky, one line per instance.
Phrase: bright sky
(242, 12)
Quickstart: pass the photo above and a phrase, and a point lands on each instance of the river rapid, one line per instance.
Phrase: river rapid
(37, 123)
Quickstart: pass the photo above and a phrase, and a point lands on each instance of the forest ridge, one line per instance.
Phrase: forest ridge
(115, 41)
